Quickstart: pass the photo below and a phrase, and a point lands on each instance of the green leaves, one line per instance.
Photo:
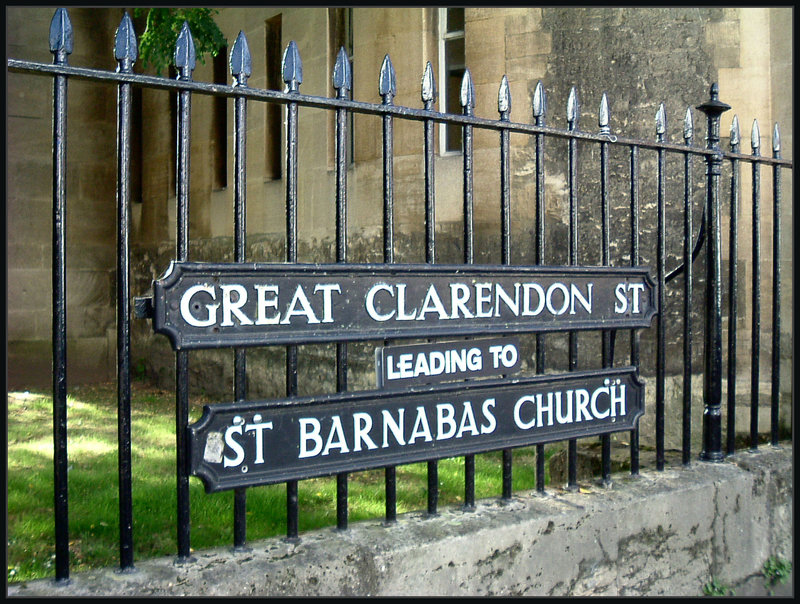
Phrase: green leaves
(157, 42)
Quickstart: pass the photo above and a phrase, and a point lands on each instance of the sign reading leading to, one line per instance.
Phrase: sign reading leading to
(445, 361)
(200, 305)
(247, 444)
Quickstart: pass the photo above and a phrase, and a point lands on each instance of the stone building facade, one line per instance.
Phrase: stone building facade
(639, 57)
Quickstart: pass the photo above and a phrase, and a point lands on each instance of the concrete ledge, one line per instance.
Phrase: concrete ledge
(662, 533)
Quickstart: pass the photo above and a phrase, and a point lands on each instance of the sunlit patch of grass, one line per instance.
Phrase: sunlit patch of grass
(93, 484)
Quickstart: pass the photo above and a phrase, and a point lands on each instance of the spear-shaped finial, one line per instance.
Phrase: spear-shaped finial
(688, 126)
(776, 139)
(504, 98)
(539, 102)
(428, 85)
(342, 78)
(185, 58)
(572, 108)
(661, 121)
(125, 47)
(467, 93)
(387, 84)
(602, 116)
(61, 33)
(292, 67)
(755, 137)
(735, 131)
(240, 61)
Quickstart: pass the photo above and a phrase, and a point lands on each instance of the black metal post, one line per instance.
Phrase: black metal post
(755, 353)
(733, 289)
(539, 110)
(635, 336)
(125, 52)
(185, 63)
(428, 98)
(388, 88)
(293, 77)
(240, 70)
(661, 355)
(342, 82)
(712, 416)
(776, 290)
(504, 108)
(605, 260)
(688, 132)
(572, 154)
(60, 46)
(467, 105)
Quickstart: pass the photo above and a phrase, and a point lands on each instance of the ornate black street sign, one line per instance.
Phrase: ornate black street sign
(201, 305)
(415, 364)
(254, 443)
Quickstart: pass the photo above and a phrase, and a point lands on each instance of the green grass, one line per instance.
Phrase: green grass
(93, 478)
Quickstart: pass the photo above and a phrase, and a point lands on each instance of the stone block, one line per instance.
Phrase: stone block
(523, 45)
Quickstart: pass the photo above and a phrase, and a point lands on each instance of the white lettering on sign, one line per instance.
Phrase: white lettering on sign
(557, 407)
(385, 302)
(625, 300)
(350, 432)
(198, 312)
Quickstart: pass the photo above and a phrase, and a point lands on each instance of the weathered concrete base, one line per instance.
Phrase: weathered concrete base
(661, 533)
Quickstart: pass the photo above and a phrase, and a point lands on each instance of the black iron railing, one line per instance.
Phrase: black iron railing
(240, 93)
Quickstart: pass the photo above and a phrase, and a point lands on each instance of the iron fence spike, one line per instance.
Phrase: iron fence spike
(755, 136)
(125, 45)
(388, 81)
(688, 124)
(735, 130)
(661, 120)
(61, 32)
(572, 107)
(602, 116)
(467, 91)
(184, 49)
(539, 103)
(342, 78)
(776, 139)
(504, 96)
(292, 66)
(428, 84)
(240, 61)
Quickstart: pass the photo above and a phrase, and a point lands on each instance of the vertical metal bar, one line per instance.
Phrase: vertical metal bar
(539, 110)
(60, 46)
(504, 108)
(240, 70)
(428, 98)
(635, 336)
(712, 414)
(342, 84)
(185, 62)
(755, 353)
(607, 361)
(467, 105)
(733, 289)
(293, 77)
(388, 88)
(572, 121)
(687, 289)
(776, 289)
(661, 356)
(125, 52)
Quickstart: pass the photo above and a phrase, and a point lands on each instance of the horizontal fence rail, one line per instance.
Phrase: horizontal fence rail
(189, 457)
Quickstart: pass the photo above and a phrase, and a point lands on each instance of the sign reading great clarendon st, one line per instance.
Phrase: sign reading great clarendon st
(255, 443)
(202, 305)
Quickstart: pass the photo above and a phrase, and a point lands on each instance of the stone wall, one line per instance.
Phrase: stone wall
(659, 534)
